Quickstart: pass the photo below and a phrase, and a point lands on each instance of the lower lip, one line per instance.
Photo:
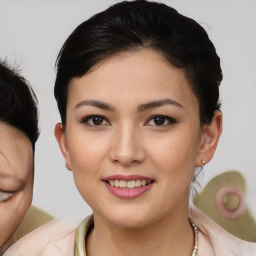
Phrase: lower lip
(126, 193)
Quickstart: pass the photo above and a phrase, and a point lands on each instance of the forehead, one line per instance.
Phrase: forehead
(140, 74)
(16, 152)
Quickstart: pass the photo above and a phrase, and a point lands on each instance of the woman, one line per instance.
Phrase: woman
(137, 88)
(18, 135)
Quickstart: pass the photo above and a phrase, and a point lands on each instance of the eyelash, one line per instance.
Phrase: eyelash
(91, 117)
(105, 122)
(170, 120)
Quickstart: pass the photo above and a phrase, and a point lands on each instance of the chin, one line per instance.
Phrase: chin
(129, 217)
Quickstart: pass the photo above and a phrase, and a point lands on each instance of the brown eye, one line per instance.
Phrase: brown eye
(160, 120)
(95, 120)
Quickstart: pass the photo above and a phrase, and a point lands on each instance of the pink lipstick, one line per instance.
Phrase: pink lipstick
(128, 187)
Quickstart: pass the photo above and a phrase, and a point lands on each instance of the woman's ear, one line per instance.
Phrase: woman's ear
(61, 138)
(210, 137)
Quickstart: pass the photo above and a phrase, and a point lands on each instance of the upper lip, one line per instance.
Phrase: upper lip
(127, 177)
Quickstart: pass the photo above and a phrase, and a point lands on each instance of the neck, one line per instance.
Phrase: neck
(172, 235)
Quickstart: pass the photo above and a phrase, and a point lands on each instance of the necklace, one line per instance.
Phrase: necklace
(195, 250)
(83, 228)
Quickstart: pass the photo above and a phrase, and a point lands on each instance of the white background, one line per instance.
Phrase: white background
(31, 34)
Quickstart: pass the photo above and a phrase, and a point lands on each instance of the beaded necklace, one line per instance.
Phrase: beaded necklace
(195, 250)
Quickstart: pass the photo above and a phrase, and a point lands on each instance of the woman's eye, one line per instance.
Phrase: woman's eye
(95, 120)
(160, 120)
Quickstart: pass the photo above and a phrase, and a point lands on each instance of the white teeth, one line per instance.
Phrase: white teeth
(131, 184)
(128, 184)
(117, 183)
(5, 195)
(123, 183)
(138, 183)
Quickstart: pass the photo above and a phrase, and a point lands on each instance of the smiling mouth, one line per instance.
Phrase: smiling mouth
(130, 184)
(4, 196)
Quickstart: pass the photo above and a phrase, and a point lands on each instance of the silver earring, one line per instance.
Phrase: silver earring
(203, 163)
(202, 166)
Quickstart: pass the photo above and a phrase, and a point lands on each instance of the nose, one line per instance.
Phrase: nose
(126, 146)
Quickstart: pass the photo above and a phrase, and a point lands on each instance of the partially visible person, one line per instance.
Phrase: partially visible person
(18, 135)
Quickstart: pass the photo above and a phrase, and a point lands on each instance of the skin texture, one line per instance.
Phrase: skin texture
(129, 141)
(16, 175)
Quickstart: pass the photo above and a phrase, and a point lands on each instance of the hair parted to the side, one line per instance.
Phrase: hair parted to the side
(18, 103)
(134, 25)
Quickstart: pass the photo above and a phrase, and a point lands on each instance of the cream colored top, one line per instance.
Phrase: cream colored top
(34, 218)
(57, 239)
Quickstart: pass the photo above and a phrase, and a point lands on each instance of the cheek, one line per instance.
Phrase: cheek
(13, 211)
(7, 221)
(86, 150)
(176, 154)
(25, 198)
(24, 169)
(87, 157)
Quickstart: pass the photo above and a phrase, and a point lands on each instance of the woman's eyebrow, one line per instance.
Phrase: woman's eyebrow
(95, 103)
(141, 108)
(158, 103)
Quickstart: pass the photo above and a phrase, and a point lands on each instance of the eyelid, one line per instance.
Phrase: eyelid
(10, 191)
(11, 185)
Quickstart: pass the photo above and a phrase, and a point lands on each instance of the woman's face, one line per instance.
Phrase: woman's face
(16, 179)
(133, 138)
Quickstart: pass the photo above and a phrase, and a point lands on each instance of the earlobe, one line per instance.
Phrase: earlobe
(60, 136)
(210, 137)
